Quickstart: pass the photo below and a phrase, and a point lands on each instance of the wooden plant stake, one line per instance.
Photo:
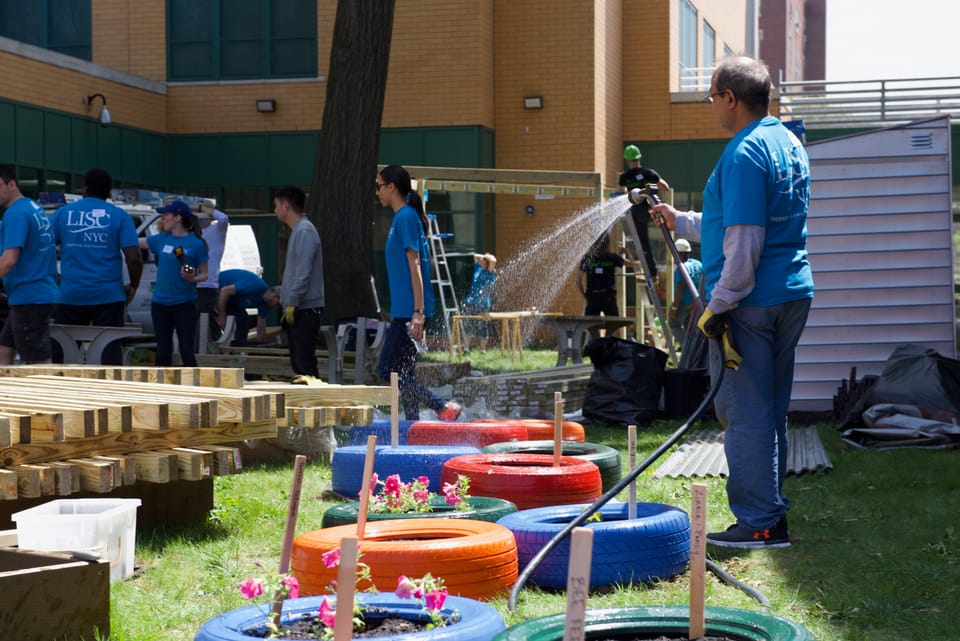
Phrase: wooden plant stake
(394, 410)
(578, 584)
(698, 561)
(293, 508)
(346, 585)
(632, 463)
(365, 484)
(557, 428)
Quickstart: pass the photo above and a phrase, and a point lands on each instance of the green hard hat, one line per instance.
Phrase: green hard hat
(631, 152)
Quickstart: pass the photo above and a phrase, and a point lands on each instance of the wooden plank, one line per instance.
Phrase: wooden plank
(8, 538)
(137, 441)
(75, 423)
(194, 464)
(110, 417)
(95, 476)
(28, 481)
(66, 478)
(305, 395)
(156, 467)
(124, 468)
(226, 460)
(8, 485)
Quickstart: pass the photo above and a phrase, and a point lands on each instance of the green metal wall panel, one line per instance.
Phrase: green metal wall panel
(244, 160)
(83, 145)
(154, 160)
(56, 142)
(401, 147)
(110, 150)
(291, 158)
(685, 164)
(8, 136)
(450, 147)
(131, 156)
(194, 162)
(29, 136)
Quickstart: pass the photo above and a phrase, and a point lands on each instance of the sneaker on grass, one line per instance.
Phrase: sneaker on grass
(739, 536)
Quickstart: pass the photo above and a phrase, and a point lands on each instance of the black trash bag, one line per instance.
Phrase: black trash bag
(913, 375)
(624, 388)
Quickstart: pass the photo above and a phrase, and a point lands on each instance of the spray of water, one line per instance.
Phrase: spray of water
(534, 278)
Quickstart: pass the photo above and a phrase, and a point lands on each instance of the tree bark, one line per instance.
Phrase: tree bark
(343, 190)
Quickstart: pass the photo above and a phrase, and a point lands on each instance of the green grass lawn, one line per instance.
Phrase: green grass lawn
(876, 554)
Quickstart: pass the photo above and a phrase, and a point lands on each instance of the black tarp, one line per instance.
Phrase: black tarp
(624, 388)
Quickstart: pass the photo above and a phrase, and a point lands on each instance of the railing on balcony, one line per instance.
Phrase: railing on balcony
(868, 103)
(695, 79)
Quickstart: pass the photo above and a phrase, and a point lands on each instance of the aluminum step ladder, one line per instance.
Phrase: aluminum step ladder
(440, 276)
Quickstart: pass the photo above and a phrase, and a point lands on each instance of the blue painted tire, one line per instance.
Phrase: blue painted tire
(647, 622)
(409, 461)
(655, 545)
(482, 508)
(381, 429)
(478, 621)
(606, 458)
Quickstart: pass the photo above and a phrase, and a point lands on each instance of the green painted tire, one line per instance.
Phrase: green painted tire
(484, 508)
(606, 458)
(649, 622)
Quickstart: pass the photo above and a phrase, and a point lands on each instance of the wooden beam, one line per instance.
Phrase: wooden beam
(156, 467)
(9, 482)
(226, 460)
(306, 396)
(66, 478)
(95, 476)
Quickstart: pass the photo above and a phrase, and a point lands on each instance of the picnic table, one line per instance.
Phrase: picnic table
(511, 336)
(572, 332)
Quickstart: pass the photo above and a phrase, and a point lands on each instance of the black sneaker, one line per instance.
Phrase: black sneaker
(738, 536)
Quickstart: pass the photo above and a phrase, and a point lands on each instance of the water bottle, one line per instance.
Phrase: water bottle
(421, 344)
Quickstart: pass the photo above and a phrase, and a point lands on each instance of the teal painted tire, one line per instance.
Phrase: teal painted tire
(642, 622)
(483, 508)
(606, 458)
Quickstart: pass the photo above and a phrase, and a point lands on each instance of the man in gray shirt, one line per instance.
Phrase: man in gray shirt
(301, 292)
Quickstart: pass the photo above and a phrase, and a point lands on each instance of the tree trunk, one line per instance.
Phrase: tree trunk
(342, 193)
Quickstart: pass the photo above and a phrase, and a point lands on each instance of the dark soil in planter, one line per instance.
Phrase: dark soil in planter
(304, 628)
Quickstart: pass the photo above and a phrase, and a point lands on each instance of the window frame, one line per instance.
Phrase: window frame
(82, 48)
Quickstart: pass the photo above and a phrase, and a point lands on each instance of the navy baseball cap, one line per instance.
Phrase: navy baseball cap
(176, 207)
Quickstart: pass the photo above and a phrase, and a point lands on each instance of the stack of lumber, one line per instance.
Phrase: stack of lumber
(526, 393)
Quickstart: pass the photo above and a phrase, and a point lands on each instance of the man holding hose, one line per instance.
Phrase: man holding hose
(758, 287)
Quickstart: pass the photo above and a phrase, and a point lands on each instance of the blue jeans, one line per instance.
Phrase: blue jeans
(181, 318)
(752, 405)
(399, 355)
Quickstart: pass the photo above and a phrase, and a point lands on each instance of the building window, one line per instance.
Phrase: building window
(58, 25)
(709, 45)
(241, 39)
(688, 47)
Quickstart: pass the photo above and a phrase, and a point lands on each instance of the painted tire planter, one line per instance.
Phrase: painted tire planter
(604, 457)
(527, 480)
(542, 429)
(475, 559)
(654, 545)
(483, 508)
(381, 429)
(478, 621)
(651, 622)
(473, 434)
(407, 460)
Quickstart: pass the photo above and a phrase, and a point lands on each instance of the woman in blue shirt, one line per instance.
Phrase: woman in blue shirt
(181, 263)
(478, 301)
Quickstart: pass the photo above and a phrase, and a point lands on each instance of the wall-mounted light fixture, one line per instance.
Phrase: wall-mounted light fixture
(104, 116)
(533, 102)
(267, 105)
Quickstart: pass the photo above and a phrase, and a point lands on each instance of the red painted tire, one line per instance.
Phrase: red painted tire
(475, 559)
(542, 430)
(469, 434)
(527, 480)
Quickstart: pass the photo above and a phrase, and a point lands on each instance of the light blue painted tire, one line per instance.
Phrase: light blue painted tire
(655, 545)
(478, 621)
(409, 461)
(381, 429)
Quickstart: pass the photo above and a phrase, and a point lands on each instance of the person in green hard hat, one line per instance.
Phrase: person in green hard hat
(638, 176)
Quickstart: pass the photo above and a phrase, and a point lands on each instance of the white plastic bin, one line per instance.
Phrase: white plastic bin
(107, 527)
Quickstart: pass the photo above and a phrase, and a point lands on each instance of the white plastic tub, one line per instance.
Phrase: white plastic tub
(107, 527)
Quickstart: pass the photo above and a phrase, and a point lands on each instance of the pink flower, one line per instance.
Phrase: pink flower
(251, 588)
(331, 559)
(293, 586)
(434, 600)
(405, 587)
(418, 591)
(392, 485)
(374, 479)
(421, 496)
(327, 614)
(424, 480)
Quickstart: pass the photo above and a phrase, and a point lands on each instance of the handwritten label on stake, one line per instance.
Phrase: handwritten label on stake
(698, 557)
(578, 583)
(365, 484)
(346, 585)
(293, 507)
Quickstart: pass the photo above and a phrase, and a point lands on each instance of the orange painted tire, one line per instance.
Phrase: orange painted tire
(542, 430)
(527, 480)
(475, 559)
(468, 434)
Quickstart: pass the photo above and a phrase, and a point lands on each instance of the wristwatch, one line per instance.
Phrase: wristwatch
(418, 311)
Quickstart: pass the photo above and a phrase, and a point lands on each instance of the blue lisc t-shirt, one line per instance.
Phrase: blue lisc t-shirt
(171, 288)
(406, 232)
(33, 280)
(92, 234)
(762, 178)
(250, 288)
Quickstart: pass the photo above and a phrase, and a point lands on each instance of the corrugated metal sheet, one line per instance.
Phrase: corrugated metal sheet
(879, 237)
(702, 455)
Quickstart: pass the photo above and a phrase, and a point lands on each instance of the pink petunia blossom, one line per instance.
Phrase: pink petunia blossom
(392, 485)
(374, 479)
(423, 479)
(421, 496)
(405, 587)
(434, 600)
(251, 588)
(293, 586)
(327, 614)
(331, 559)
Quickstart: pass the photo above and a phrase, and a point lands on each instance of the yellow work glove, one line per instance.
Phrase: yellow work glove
(306, 379)
(714, 325)
(288, 315)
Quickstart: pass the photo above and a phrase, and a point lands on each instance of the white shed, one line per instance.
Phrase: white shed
(879, 237)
